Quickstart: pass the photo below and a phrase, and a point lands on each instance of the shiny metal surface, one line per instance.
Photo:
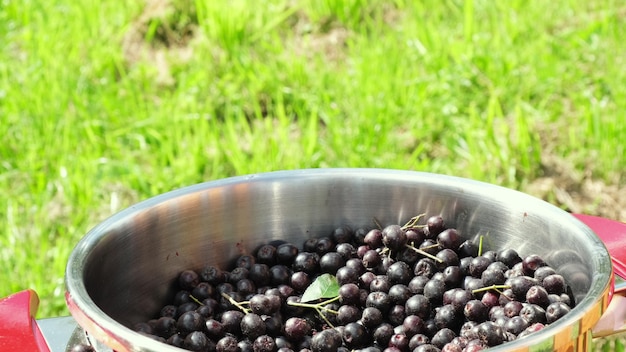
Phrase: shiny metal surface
(58, 332)
(63, 333)
(122, 271)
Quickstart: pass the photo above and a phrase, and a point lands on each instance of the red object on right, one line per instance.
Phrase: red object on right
(613, 234)
(18, 329)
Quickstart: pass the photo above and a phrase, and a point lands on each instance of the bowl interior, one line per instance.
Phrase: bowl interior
(122, 271)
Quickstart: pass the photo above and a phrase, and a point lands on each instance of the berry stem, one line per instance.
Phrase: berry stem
(492, 287)
(319, 308)
(413, 222)
(480, 245)
(317, 305)
(331, 300)
(321, 314)
(196, 300)
(380, 227)
(235, 303)
(426, 254)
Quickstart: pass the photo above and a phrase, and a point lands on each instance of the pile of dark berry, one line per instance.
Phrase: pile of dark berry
(417, 287)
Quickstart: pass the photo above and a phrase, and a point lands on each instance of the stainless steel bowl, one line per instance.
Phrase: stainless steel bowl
(122, 271)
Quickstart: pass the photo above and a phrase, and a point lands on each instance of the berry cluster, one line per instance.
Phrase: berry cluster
(417, 287)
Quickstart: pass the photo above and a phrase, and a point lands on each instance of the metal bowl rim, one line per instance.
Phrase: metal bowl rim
(83, 308)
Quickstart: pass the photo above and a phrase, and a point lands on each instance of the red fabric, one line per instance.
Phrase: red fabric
(613, 234)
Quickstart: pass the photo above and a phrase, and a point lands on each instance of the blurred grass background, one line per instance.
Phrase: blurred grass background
(106, 103)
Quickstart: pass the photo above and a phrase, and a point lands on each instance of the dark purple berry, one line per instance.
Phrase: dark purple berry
(188, 279)
(300, 281)
(342, 234)
(396, 314)
(264, 343)
(355, 335)
(382, 334)
(425, 267)
(490, 333)
(533, 313)
(260, 274)
(417, 340)
(371, 317)
(266, 254)
(252, 326)
(227, 344)
(435, 225)
(434, 290)
(520, 285)
(380, 283)
(346, 250)
(531, 263)
(542, 272)
(555, 311)
(399, 293)
(416, 285)
(374, 238)
(443, 337)
(478, 265)
(189, 322)
(399, 341)
(231, 321)
(447, 257)
(399, 273)
(516, 325)
(476, 310)
(418, 305)
(328, 340)
(365, 280)
(412, 324)
(214, 329)
(450, 239)
(534, 327)
(324, 245)
(331, 262)
(346, 275)
(348, 314)
(512, 308)
(468, 249)
(415, 236)
(307, 262)
(371, 259)
(379, 300)
(554, 283)
(212, 275)
(297, 328)
(394, 237)
(538, 295)
(452, 276)
(198, 341)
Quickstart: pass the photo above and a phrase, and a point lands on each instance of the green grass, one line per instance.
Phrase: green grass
(479, 89)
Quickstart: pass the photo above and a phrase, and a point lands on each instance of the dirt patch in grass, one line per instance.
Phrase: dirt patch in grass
(577, 191)
(161, 34)
(328, 39)
(574, 188)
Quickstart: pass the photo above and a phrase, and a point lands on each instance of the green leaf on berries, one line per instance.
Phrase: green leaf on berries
(325, 286)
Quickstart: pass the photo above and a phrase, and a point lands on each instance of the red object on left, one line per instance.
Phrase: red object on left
(19, 330)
